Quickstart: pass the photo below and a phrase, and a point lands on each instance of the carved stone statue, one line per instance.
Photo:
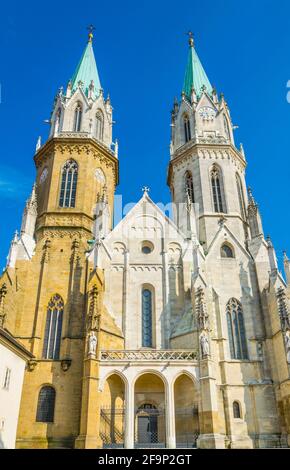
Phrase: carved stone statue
(3, 292)
(202, 315)
(92, 344)
(287, 345)
(204, 346)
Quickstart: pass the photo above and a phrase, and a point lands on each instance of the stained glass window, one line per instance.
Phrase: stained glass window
(146, 318)
(68, 184)
(52, 335)
(236, 330)
(45, 405)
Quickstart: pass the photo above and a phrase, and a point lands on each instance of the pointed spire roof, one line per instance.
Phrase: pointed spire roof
(195, 76)
(87, 71)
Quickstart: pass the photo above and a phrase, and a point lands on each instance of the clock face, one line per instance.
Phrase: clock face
(207, 113)
(43, 176)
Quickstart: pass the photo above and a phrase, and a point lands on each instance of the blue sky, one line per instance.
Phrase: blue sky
(141, 52)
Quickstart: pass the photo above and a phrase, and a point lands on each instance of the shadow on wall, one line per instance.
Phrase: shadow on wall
(2, 446)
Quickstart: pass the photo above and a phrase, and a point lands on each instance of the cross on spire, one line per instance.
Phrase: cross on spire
(145, 189)
(90, 29)
(190, 39)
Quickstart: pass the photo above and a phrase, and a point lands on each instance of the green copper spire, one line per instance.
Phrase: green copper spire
(195, 76)
(87, 71)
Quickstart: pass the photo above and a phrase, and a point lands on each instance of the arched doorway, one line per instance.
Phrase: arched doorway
(112, 412)
(186, 412)
(149, 411)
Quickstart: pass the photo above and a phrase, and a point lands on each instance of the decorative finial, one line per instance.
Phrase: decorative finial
(145, 189)
(90, 29)
(190, 39)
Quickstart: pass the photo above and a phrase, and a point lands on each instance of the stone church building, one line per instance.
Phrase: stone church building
(156, 332)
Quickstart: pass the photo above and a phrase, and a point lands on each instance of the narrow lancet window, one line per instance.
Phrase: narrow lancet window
(45, 405)
(187, 133)
(52, 334)
(189, 186)
(216, 183)
(236, 330)
(99, 126)
(241, 196)
(68, 184)
(78, 118)
(146, 318)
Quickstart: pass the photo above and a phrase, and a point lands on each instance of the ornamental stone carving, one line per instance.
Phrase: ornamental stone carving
(93, 320)
(3, 292)
(283, 309)
(201, 310)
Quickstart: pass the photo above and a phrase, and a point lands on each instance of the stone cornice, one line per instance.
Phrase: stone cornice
(72, 145)
(198, 150)
(67, 219)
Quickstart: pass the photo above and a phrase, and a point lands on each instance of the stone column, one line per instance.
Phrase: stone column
(89, 437)
(170, 417)
(211, 428)
(129, 416)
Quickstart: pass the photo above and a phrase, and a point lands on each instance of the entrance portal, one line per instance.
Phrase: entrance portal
(147, 424)
(149, 412)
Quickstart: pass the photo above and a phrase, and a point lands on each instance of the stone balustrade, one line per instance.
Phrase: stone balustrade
(149, 355)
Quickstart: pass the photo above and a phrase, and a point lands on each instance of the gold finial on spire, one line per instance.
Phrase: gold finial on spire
(90, 29)
(190, 40)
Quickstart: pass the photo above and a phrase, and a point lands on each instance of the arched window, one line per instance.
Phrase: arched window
(241, 196)
(146, 318)
(52, 335)
(236, 330)
(68, 184)
(216, 183)
(45, 405)
(187, 133)
(99, 126)
(226, 251)
(189, 186)
(78, 118)
(236, 410)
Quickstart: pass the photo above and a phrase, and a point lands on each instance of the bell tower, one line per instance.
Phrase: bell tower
(204, 161)
(71, 205)
(79, 158)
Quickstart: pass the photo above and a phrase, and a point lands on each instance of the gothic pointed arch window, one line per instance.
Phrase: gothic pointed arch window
(78, 118)
(236, 330)
(68, 184)
(189, 186)
(53, 326)
(99, 125)
(241, 196)
(187, 132)
(227, 251)
(147, 312)
(237, 410)
(217, 189)
(45, 405)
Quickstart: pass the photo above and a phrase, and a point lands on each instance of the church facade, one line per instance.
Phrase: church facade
(156, 332)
